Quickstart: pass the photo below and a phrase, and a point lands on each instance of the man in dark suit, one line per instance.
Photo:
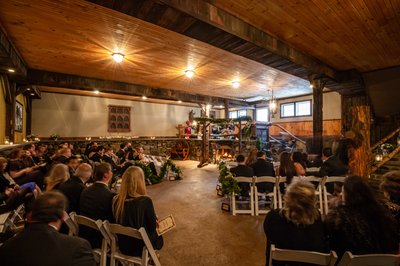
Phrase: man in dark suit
(332, 165)
(98, 156)
(243, 170)
(73, 188)
(96, 202)
(41, 244)
(262, 167)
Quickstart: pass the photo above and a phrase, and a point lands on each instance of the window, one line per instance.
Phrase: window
(236, 114)
(293, 109)
(262, 115)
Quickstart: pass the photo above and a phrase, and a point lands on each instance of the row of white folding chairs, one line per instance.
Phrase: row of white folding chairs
(109, 245)
(329, 259)
(276, 196)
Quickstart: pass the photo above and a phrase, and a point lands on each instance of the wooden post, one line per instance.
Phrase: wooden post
(318, 85)
(226, 109)
(240, 136)
(205, 146)
(10, 94)
(360, 152)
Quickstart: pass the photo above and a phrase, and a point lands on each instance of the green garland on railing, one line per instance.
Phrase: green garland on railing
(148, 174)
(169, 164)
(229, 185)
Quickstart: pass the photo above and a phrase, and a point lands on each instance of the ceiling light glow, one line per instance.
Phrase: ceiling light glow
(11, 70)
(236, 84)
(144, 97)
(118, 57)
(189, 73)
(179, 101)
(96, 92)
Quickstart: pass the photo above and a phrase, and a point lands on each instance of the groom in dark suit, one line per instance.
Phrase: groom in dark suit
(41, 244)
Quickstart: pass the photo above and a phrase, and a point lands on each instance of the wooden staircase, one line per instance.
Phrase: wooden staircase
(390, 163)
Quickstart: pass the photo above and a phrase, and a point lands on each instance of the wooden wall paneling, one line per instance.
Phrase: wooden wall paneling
(304, 128)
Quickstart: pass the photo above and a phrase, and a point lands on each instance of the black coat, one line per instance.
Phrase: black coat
(333, 166)
(263, 168)
(72, 189)
(243, 170)
(96, 203)
(41, 245)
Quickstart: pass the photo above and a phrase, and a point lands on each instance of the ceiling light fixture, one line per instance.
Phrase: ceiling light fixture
(11, 70)
(144, 97)
(189, 73)
(179, 101)
(96, 92)
(272, 104)
(118, 57)
(32, 94)
(236, 84)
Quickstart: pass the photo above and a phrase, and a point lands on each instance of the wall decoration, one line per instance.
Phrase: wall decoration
(119, 118)
(19, 116)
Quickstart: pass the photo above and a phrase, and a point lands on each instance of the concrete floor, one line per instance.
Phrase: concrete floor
(204, 234)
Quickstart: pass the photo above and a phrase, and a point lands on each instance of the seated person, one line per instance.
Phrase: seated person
(132, 207)
(12, 195)
(108, 158)
(300, 166)
(298, 225)
(98, 155)
(62, 155)
(21, 173)
(58, 174)
(262, 167)
(41, 242)
(242, 170)
(361, 224)
(331, 165)
(390, 187)
(72, 163)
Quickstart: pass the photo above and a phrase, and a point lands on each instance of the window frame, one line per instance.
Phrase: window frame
(237, 113)
(268, 116)
(294, 107)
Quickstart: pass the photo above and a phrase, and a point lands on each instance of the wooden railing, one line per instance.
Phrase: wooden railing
(385, 160)
(287, 131)
(385, 138)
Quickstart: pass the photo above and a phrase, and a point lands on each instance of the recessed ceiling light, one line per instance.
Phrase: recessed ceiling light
(144, 97)
(179, 101)
(96, 92)
(28, 89)
(221, 106)
(118, 57)
(235, 84)
(11, 70)
(189, 73)
(32, 94)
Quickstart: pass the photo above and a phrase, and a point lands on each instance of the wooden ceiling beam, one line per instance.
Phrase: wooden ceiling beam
(52, 79)
(9, 57)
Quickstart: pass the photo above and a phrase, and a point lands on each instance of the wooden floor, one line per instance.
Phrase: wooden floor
(204, 234)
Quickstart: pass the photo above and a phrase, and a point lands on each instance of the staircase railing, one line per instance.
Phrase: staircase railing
(390, 155)
(290, 133)
(385, 160)
(394, 132)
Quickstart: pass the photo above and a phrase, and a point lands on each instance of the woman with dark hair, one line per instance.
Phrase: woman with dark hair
(286, 167)
(361, 225)
(132, 207)
(299, 164)
(391, 189)
(298, 225)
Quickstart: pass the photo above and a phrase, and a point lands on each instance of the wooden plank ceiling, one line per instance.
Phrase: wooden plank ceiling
(78, 37)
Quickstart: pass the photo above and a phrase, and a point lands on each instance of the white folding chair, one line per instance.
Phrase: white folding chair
(317, 181)
(280, 180)
(303, 256)
(8, 219)
(235, 202)
(349, 259)
(271, 195)
(116, 229)
(99, 253)
(326, 194)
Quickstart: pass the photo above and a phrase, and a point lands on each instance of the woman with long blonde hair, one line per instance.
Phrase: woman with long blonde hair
(59, 173)
(298, 225)
(132, 207)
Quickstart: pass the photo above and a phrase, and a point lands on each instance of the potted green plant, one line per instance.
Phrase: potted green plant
(54, 136)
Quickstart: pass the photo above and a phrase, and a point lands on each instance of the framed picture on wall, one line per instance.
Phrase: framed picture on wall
(119, 118)
(19, 116)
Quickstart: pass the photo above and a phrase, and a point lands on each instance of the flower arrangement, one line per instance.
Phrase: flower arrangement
(31, 137)
(54, 136)
(148, 174)
(228, 184)
(169, 165)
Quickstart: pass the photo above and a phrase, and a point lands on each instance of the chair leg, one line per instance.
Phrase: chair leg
(252, 201)
(233, 203)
